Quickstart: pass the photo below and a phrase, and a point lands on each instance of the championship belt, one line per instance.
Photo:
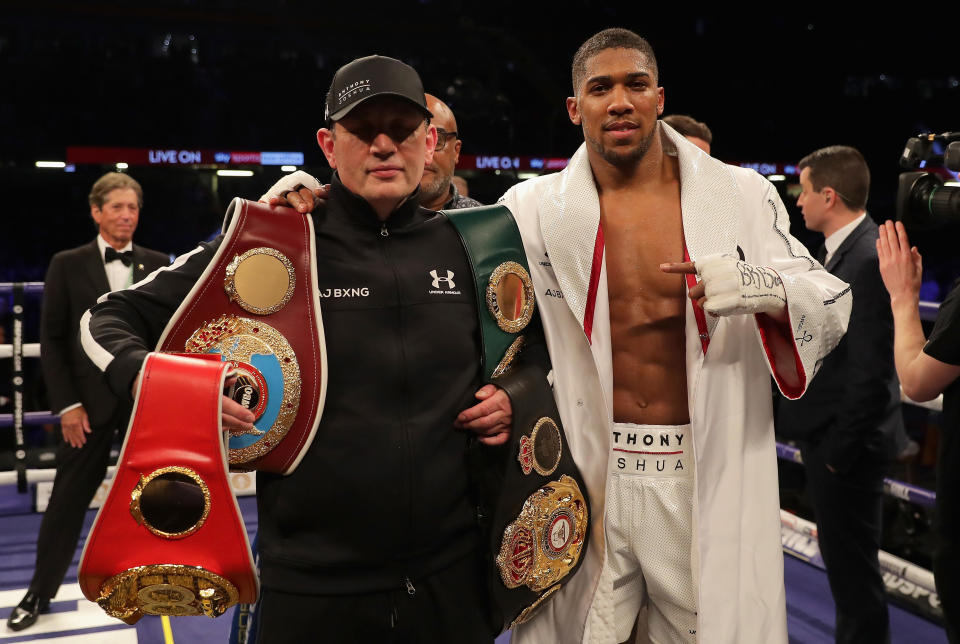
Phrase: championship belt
(256, 306)
(532, 494)
(169, 540)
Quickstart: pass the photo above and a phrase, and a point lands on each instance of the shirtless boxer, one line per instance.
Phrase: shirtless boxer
(677, 448)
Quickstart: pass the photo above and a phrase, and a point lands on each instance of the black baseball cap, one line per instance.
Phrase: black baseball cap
(372, 76)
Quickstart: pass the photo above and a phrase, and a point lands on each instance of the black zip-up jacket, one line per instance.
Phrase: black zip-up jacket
(382, 495)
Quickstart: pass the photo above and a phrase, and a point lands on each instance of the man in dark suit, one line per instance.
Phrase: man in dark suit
(846, 422)
(89, 412)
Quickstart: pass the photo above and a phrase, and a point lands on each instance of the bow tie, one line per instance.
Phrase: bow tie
(110, 255)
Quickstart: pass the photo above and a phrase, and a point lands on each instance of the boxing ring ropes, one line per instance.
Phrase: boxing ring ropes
(906, 582)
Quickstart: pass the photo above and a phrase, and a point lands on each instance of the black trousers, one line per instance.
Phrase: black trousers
(79, 474)
(946, 550)
(848, 509)
(449, 606)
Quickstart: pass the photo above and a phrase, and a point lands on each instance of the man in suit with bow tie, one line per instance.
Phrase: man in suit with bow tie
(89, 412)
(846, 422)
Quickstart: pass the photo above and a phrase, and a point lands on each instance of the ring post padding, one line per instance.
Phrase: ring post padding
(20, 453)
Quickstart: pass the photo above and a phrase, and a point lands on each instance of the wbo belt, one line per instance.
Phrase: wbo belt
(169, 540)
(256, 307)
(532, 504)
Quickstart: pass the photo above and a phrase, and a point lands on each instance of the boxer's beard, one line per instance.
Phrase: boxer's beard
(618, 157)
(431, 190)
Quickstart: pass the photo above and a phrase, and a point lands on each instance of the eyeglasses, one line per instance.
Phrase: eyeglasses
(442, 137)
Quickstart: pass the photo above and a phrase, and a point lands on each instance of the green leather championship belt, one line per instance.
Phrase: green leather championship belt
(532, 501)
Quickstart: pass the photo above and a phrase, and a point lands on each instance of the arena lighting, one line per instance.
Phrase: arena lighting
(777, 177)
(122, 166)
(51, 164)
(235, 173)
(288, 168)
(525, 175)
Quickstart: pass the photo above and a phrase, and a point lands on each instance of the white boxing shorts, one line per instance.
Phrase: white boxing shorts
(648, 528)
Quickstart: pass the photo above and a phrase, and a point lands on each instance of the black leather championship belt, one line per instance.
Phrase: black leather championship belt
(256, 306)
(532, 496)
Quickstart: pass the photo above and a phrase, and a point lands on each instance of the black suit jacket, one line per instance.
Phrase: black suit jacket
(853, 404)
(74, 281)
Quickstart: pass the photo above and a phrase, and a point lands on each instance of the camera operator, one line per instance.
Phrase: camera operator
(926, 369)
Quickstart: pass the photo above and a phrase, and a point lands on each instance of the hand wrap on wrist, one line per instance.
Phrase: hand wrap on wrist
(289, 183)
(734, 287)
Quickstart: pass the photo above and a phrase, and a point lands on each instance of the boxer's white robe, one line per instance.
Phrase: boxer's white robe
(736, 510)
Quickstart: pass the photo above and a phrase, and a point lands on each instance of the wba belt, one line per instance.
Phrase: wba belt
(534, 509)
(256, 307)
(169, 540)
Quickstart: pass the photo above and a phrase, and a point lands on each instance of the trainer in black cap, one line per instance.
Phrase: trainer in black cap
(372, 76)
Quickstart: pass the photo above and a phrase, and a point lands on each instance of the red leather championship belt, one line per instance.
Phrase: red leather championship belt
(257, 307)
(169, 540)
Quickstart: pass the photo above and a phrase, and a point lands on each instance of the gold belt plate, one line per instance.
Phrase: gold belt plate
(543, 544)
(166, 589)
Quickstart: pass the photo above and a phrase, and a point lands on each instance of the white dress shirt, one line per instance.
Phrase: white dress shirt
(832, 243)
(118, 275)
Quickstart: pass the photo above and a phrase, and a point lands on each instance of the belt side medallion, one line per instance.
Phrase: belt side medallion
(509, 356)
(525, 455)
(268, 380)
(510, 297)
(260, 280)
(547, 446)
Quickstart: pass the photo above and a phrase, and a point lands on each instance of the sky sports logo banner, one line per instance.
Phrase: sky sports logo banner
(180, 156)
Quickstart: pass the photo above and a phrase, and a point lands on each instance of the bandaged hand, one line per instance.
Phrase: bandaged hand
(729, 286)
(734, 287)
(298, 190)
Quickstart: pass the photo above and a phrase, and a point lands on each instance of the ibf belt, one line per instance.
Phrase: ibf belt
(169, 540)
(531, 492)
(256, 307)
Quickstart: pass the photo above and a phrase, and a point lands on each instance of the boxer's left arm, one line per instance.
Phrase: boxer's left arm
(730, 286)
(795, 337)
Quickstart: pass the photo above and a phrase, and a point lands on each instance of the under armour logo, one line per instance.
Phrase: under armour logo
(448, 279)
